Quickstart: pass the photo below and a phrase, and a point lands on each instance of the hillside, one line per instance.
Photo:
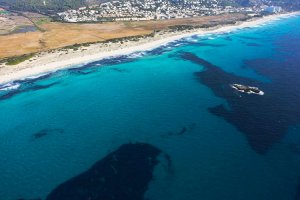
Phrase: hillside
(53, 7)
(43, 5)
(61, 5)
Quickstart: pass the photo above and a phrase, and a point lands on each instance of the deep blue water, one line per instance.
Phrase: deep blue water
(162, 124)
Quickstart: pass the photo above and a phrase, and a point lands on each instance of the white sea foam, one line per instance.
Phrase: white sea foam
(191, 39)
(9, 86)
(136, 55)
(55, 62)
(35, 76)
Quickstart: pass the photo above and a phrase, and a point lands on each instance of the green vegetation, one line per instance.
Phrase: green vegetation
(4, 12)
(18, 59)
(51, 7)
(181, 27)
(76, 47)
(42, 21)
(46, 6)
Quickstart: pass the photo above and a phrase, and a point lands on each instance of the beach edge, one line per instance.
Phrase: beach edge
(52, 62)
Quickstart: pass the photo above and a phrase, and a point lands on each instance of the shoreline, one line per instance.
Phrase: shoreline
(46, 62)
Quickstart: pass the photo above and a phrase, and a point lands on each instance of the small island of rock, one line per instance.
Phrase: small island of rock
(247, 89)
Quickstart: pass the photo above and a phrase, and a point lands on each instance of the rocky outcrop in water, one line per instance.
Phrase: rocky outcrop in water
(247, 89)
(263, 119)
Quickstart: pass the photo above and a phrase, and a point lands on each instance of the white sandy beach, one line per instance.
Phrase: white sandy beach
(48, 62)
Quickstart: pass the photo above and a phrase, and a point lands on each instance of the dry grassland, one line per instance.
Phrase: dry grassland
(54, 35)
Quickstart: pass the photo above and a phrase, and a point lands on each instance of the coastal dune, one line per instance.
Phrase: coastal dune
(46, 62)
(54, 35)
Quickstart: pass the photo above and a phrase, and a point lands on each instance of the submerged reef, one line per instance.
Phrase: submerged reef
(44, 132)
(184, 130)
(28, 87)
(122, 174)
(295, 148)
(297, 196)
(263, 119)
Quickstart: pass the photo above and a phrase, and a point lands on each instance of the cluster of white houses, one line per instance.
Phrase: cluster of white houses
(135, 10)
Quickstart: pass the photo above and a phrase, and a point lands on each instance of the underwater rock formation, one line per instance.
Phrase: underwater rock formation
(44, 132)
(263, 119)
(121, 175)
(297, 197)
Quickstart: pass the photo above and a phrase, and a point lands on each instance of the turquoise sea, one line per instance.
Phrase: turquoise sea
(161, 124)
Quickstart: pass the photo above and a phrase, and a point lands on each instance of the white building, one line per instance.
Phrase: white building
(273, 9)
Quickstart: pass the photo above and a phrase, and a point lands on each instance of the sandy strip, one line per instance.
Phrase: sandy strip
(49, 62)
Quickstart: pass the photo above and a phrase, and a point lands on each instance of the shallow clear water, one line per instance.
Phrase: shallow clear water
(56, 127)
